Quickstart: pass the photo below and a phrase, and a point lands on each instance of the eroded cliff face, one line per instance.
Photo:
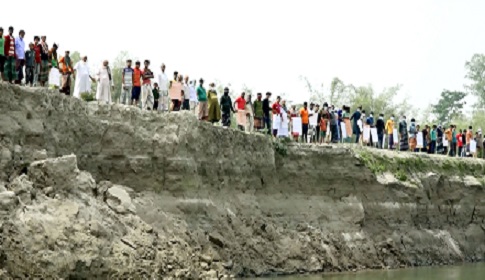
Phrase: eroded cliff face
(210, 203)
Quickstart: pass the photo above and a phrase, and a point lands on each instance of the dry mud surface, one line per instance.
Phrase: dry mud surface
(92, 191)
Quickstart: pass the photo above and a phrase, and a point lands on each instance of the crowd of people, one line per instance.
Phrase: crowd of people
(39, 65)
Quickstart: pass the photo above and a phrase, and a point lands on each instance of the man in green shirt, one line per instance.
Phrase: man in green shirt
(258, 112)
(2, 52)
(202, 98)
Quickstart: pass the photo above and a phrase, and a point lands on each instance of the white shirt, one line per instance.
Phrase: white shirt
(193, 93)
(20, 48)
(163, 81)
(82, 69)
(103, 75)
(186, 92)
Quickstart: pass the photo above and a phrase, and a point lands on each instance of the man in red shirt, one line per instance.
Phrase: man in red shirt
(10, 73)
(276, 110)
(241, 111)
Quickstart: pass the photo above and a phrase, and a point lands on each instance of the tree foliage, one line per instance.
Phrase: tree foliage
(341, 94)
(450, 106)
(476, 74)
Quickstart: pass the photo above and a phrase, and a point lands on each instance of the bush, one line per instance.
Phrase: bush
(87, 96)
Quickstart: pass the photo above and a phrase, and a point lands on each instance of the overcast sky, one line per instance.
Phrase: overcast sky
(268, 45)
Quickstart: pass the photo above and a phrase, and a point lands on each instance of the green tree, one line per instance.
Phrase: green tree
(116, 70)
(476, 74)
(450, 106)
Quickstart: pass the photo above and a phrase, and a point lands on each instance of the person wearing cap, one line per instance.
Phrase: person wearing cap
(105, 83)
(20, 56)
(127, 83)
(82, 77)
(65, 64)
(10, 75)
(203, 113)
(163, 83)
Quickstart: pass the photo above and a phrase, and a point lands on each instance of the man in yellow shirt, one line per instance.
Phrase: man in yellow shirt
(390, 131)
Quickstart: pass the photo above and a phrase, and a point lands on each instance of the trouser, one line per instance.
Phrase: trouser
(460, 151)
(357, 136)
(317, 132)
(391, 141)
(10, 73)
(164, 101)
(146, 97)
(453, 149)
(267, 124)
(250, 123)
(380, 140)
(36, 73)
(186, 105)
(155, 105)
(29, 75)
(432, 147)
(2, 66)
(125, 97)
(192, 105)
(19, 68)
(304, 133)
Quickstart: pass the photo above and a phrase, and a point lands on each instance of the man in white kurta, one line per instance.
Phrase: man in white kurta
(83, 79)
(105, 83)
(163, 83)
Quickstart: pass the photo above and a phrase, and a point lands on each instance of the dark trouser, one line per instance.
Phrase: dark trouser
(357, 136)
(267, 124)
(380, 137)
(155, 104)
(391, 141)
(453, 150)
(186, 104)
(29, 75)
(19, 63)
(335, 133)
(460, 151)
(304, 133)
(432, 147)
(317, 136)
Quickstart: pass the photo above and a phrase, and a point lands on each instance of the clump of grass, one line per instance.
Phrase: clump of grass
(87, 96)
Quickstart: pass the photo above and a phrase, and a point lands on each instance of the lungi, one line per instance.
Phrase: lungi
(241, 118)
(44, 71)
(10, 72)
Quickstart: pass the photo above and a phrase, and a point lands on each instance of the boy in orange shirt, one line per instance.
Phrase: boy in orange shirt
(136, 91)
(305, 120)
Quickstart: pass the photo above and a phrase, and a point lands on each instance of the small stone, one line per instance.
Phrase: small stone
(206, 258)
(204, 265)
(7, 200)
(119, 200)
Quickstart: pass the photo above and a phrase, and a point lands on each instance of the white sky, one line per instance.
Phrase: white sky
(268, 44)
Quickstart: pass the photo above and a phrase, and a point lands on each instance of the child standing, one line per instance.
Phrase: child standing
(156, 96)
(434, 138)
(29, 65)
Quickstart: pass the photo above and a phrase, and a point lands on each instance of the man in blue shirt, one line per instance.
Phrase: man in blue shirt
(20, 52)
(127, 83)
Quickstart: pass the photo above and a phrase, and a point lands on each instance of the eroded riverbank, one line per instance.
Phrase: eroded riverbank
(208, 202)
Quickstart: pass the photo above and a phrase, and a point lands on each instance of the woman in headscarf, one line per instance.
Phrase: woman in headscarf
(403, 133)
(214, 108)
(226, 108)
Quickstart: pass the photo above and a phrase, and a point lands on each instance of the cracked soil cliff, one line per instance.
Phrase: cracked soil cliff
(92, 191)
